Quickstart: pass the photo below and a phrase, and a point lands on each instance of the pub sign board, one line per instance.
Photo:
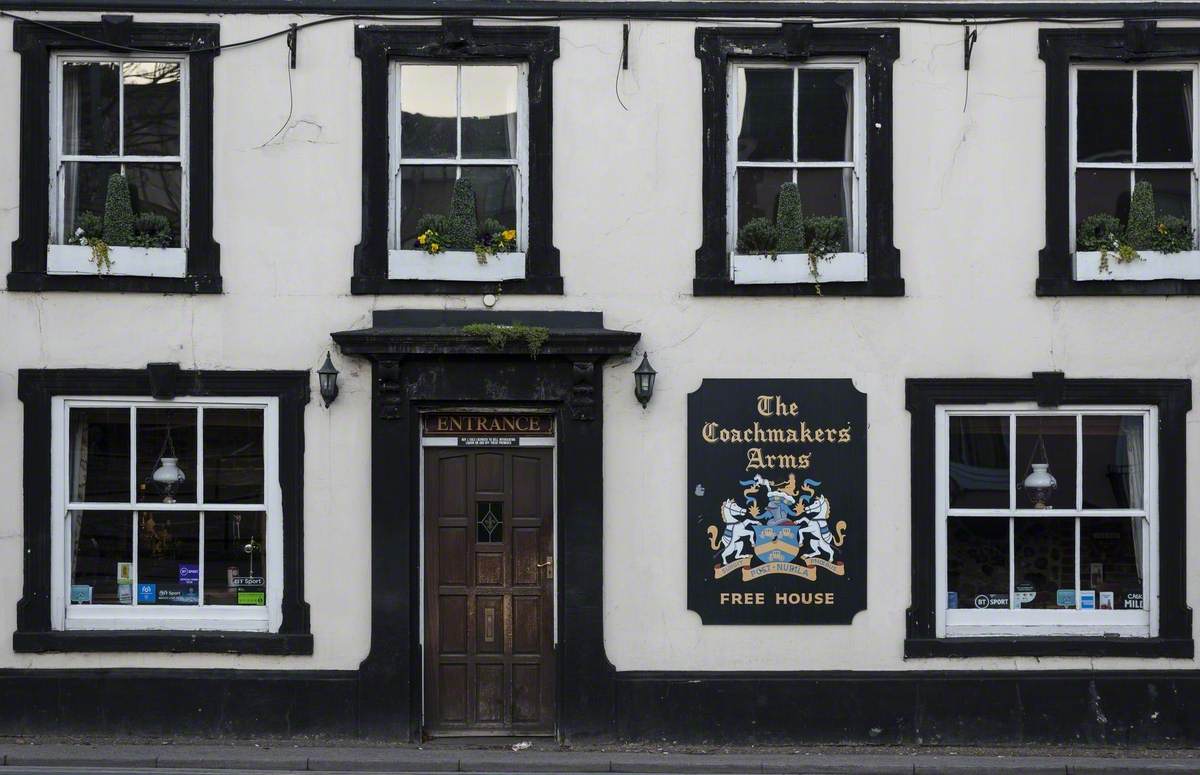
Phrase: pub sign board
(777, 501)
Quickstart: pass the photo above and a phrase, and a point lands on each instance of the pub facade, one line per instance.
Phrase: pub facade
(773, 373)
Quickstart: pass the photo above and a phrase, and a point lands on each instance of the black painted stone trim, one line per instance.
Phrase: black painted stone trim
(179, 703)
(958, 707)
(879, 47)
(1060, 49)
(36, 388)
(157, 640)
(455, 41)
(35, 44)
(1173, 397)
(420, 360)
(585, 9)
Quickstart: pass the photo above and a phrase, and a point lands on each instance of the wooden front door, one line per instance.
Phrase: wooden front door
(489, 591)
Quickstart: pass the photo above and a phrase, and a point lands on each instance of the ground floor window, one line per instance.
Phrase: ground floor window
(1046, 520)
(164, 515)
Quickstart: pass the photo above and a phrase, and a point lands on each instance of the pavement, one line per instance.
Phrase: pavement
(27, 757)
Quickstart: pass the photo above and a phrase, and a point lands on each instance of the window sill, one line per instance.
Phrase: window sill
(1072, 646)
(1152, 265)
(126, 261)
(795, 268)
(724, 286)
(37, 282)
(454, 265)
(111, 641)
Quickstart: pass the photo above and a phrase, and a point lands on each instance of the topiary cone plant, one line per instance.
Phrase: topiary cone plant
(464, 227)
(118, 212)
(1142, 231)
(789, 219)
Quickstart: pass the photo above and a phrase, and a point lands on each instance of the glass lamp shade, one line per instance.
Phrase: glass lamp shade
(327, 375)
(167, 477)
(1040, 484)
(643, 380)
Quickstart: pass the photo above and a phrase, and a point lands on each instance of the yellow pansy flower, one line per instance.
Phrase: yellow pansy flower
(509, 235)
(421, 239)
(434, 247)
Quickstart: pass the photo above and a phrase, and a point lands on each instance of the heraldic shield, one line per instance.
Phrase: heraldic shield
(776, 543)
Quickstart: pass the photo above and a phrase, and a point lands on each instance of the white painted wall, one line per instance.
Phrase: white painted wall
(969, 189)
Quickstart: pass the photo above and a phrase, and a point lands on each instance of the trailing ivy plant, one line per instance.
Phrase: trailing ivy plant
(1145, 230)
(498, 336)
(89, 232)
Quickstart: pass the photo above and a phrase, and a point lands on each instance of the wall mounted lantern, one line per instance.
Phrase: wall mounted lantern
(328, 375)
(643, 381)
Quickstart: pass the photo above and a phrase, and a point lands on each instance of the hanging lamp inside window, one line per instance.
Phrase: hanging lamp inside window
(1040, 484)
(167, 475)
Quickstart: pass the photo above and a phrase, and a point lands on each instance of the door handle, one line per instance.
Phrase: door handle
(549, 566)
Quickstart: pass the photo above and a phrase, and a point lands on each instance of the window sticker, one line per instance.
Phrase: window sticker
(252, 598)
(1087, 599)
(189, 573)
(992, 600)
(81, 593)
(1066, 598)
(147, 594)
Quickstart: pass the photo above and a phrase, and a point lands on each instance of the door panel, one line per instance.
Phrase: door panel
(489, 651)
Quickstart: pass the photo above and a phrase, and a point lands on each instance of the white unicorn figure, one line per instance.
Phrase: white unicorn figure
(814, 521)
(737, 530)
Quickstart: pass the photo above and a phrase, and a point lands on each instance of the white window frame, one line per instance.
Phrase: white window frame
(65, 616)
(407, 263)
(961, 622)
(1153, 264)
(794, 267)
(63, 257)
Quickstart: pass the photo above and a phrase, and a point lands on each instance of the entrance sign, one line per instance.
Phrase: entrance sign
(466, 425)
(777, 501)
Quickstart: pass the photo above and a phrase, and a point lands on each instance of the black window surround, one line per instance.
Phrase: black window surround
(1173, 399)
(36, 389)
(1060, 49)
(455, 40)
(36, 43)
(879, 48)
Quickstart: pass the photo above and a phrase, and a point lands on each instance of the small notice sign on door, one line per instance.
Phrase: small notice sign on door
(487, 441)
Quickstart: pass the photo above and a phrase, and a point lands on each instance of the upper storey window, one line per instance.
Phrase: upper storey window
(1134, 181)
(460, 172)
(119, 166)
(116, 157)
(798, 167)
(457, 159)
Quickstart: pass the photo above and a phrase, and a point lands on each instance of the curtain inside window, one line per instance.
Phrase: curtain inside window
(849, 175)
(1134, 461)
(79, 469)
(72, 97)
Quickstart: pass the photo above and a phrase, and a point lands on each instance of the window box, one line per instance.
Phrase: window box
(796, 268)
(454, 265)
(1152, 265)
(139, 262)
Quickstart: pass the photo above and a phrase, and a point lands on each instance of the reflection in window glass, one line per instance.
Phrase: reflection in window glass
(151, 108)
(495, 193)
(1043, 439)
(825, 115)
(1111, 562)
(100, 548)
(1044, 562)
(979, 461)
(158, 189)
(1104, 124)
(235, 567)
(1172, 191)
(84, 190)
(489, 112)
(1114, 462)
(1164, 125)
(166, 443)
(428, 120)
(828, 192)
(765, 132)
(233, 456)
(424, 189)
(168, 558)
(98, 468)
(977, 562)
